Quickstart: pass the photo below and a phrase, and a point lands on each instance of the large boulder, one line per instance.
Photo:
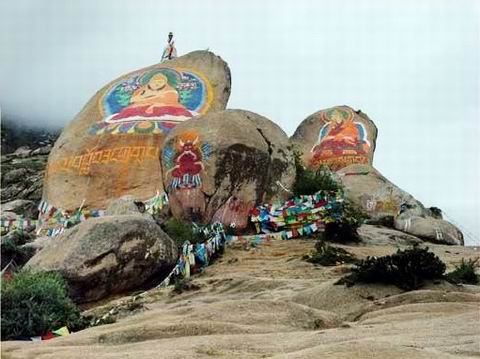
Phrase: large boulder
(112, 147)
(379, 198)
(429, 228)
(336, 137)
(219, 167)
(107, 255)
(380, 235)
(386, 203)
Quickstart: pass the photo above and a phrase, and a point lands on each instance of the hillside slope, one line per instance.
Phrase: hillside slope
(269, 303)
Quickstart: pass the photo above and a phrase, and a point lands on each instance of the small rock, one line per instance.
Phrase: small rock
(26, 208)
(38, 244)
(9, 215)
(22, 152)
(125, 205)
(45, 150)
(15, 175)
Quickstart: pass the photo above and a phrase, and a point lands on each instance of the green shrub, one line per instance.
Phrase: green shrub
(11, 250)
(34, 303)
(327, 255)
(464, 273)
(309, 182)
(344, 230)
(406, 269)
(181, 231)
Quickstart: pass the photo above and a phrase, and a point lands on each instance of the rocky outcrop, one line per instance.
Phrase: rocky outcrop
(124, 206)
(23, 207)
(107, 255)
(113, 145)
(22, 177)
(379, 198)
(429, 228)
(385, 203)
(220, 166)
(380, 235)
(336, 137)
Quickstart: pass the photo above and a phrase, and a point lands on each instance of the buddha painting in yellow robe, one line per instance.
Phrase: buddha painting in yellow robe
(157, 98)
(340, 136)
(153, 101)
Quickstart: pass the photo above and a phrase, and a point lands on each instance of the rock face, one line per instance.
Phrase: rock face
(107, 255)
(379, 235)
(125, 205)
(112, 147)
(429, 228)
(222, 164)
(386, 203)
(336, 137)
(22, 177)
(373, 193)
(21, 207)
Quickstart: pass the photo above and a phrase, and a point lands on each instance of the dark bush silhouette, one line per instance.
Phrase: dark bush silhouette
(406, 269)
(464, 273)
(327, 255)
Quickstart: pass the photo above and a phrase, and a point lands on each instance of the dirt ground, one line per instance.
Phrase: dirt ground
(269, 303)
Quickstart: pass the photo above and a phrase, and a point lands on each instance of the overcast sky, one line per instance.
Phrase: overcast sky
(412, 66)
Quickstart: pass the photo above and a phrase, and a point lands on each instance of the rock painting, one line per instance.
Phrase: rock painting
(153, 102)
(184, 161)
(183, 158)
(382, 201)
(235, 211)
(123, 155)
(341, 142)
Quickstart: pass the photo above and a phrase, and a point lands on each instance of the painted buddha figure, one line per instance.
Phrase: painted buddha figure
(157, 98)
(340, 136)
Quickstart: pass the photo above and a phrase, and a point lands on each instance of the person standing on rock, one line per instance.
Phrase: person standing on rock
(170, 51)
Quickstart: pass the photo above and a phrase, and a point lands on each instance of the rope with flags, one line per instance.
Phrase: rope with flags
(53, 221)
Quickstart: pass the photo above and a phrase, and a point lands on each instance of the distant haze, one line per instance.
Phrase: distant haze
(412, 66)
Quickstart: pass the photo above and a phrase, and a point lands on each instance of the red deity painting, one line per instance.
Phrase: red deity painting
(185, 161)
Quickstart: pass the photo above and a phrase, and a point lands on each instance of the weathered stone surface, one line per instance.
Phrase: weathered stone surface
(373, 193)
(113, 145)
(15, 175)
(9, 215)
(107, 255)
(22, 152)
(45, 150)
(124, 206)
(337, 137)
(379, 235)
(38, 244)
(22, 178)
(429, 228)
(381, 200)
(223, 164)
(23, 207)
